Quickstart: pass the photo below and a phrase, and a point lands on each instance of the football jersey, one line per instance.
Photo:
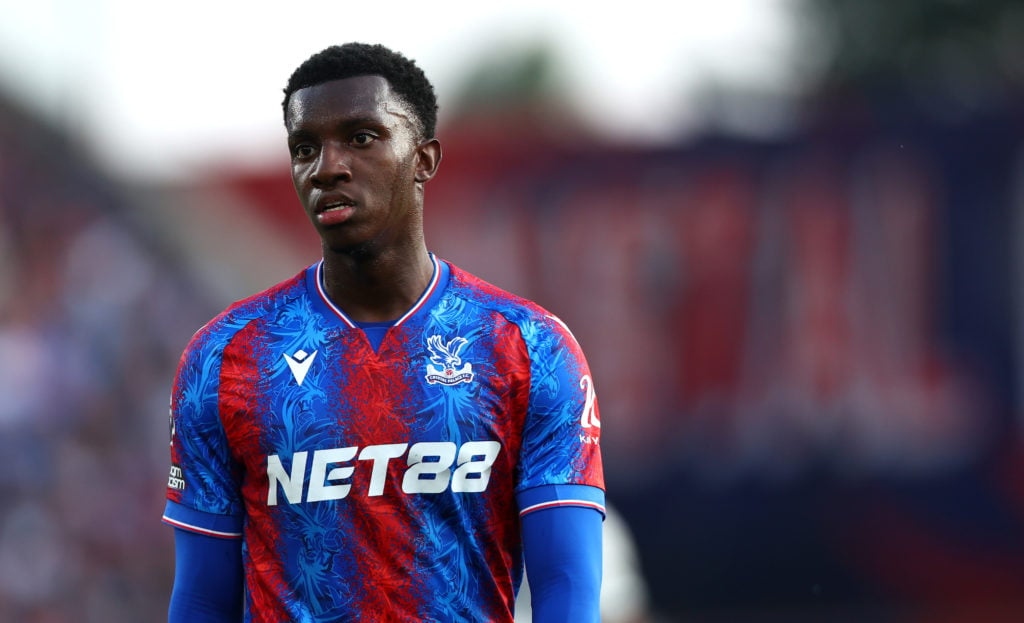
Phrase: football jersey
(381, 483)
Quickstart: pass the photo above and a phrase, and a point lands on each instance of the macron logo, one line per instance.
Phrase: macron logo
(299, 364)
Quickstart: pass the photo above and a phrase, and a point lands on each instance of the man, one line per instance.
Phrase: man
(383, 437)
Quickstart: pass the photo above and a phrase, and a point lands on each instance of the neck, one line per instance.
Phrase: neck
(377, 287)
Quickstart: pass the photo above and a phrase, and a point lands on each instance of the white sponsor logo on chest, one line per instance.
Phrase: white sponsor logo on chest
(428, 468)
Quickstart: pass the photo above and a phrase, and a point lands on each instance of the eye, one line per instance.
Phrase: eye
(363, 138)
(303, 150)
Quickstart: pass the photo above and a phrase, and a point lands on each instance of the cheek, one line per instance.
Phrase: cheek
(300, 180)
(385, 176)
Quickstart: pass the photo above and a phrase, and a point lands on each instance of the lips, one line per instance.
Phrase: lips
(334, 211)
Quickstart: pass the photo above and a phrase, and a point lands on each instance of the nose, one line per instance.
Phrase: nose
(332, 166)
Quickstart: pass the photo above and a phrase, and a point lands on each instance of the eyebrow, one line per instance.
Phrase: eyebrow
(300, 131)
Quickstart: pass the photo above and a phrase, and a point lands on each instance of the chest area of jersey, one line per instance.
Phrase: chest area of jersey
(298, 393)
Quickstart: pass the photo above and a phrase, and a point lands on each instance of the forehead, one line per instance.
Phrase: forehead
(362, 97)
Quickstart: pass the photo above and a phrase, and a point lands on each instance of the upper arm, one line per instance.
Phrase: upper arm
(208, 579)
(203, 474)
(562, 429)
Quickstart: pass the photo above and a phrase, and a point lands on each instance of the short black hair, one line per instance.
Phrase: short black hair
(350, 60)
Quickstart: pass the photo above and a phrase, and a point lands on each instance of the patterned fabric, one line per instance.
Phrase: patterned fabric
(381, 484)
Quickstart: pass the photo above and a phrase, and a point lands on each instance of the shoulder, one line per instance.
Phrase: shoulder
(224, 326)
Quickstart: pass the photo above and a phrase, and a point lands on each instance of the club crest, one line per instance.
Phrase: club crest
(446, 366)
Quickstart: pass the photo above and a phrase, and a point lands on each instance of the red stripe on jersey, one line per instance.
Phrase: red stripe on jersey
(512, 369)
(377, 395)
(243, 382)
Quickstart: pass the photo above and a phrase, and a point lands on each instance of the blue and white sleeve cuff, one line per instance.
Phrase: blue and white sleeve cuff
(210, 524)
(553, 496)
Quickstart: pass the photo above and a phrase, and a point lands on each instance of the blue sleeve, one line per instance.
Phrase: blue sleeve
(207, 579)
(563, 562)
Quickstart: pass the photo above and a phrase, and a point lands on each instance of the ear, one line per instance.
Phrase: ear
(428, 159)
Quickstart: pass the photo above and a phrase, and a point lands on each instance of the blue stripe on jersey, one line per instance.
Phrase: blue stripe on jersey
(224, 526)
(375, 332)
(551, 496)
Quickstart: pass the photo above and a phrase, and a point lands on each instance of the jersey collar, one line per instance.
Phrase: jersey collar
(438, 280)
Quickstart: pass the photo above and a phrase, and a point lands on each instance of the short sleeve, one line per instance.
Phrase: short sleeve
(562, 429)
(203, 491)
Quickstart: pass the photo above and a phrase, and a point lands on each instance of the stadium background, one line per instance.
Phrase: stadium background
(806, 341)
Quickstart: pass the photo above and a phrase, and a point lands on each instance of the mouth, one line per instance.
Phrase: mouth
(334, 204)
(335, 212)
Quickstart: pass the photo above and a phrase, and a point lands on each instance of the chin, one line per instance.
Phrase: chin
(357, 250)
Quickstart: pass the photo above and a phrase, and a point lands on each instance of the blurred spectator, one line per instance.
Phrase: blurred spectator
(92, 317)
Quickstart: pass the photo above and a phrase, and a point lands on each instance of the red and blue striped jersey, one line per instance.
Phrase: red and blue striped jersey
(381, 483)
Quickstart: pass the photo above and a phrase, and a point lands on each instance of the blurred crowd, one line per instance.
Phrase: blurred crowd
(93, 317)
